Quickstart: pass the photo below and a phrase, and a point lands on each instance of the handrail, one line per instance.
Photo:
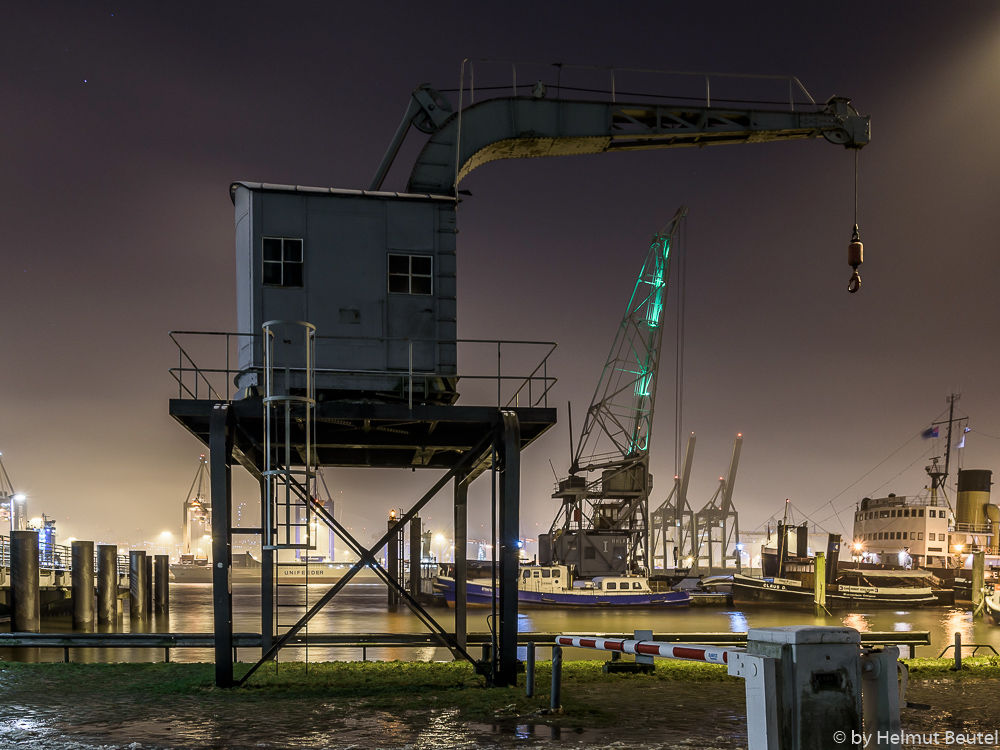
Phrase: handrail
(614, 91)
(538, 378)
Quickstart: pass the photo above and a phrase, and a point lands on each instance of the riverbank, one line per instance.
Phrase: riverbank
(422, 705)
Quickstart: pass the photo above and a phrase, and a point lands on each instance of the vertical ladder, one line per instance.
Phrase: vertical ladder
(289, 462)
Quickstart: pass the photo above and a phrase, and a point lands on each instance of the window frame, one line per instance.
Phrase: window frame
(282, 262)
(410, 275)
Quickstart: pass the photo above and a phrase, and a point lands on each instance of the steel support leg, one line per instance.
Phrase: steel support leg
(461, 558)
(266, 574)
(416, 569)
(220, 443)
(509, 521)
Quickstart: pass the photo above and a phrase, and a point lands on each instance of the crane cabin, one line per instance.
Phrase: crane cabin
(374, 272)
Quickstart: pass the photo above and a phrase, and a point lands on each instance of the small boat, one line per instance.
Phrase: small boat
(552, 586)
(868, 588)
(992, 605)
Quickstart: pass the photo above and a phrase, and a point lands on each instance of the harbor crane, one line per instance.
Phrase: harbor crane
(400, 306)
(603, 523)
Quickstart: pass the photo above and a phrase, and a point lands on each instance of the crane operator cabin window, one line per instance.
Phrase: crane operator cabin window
(282, 261)
(410, 274)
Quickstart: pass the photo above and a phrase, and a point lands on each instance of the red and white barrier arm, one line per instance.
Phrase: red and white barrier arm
(685, 651)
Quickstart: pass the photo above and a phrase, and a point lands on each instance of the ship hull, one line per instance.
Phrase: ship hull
(481, 595)
(749, 591)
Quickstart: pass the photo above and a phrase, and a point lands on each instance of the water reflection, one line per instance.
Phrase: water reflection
(361, 608)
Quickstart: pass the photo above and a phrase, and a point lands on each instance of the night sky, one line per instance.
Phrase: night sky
(122, 127)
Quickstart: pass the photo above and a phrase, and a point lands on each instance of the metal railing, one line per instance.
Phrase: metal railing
(54, 557)
(217, 382)
(608, 82)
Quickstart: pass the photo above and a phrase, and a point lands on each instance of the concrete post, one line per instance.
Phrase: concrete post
(161, 585)
(137, 584)
(107, 584)
(25, 601)
(83, 586)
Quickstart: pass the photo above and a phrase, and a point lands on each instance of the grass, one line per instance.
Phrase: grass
(409, 691)
(589, 697)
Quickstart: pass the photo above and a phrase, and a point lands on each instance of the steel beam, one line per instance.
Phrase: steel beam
(509, 522)
(461, 557)
(220, 443)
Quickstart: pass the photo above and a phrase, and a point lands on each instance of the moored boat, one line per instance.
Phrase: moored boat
(552, 586)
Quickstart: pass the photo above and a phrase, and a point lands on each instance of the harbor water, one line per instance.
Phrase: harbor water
(361, 608)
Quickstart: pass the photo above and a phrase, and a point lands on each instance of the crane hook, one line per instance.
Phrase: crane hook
(855, 283)
(855, 257)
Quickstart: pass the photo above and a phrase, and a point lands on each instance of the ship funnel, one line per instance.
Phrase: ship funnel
(974, 512)
(973, 496)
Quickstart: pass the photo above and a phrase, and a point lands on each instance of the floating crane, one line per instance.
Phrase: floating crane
(603, 523)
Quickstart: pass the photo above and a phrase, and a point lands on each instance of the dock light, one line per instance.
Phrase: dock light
(19, 497)
(858, 546)
(959, 548)
(165, 535)
(739, 547)
(392, 515)
(689, 561)
(439, 538)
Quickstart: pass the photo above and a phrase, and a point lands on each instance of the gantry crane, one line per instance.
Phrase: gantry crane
(603, 524)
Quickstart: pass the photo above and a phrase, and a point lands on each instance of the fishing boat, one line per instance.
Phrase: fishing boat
(789, 579)
(553, 586)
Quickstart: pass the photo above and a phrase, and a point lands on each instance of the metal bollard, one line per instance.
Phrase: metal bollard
(529, 670)
(107, 584)
(161, 584)
(83, 585)
(137, 584)
(555, 702)
(958, 650)
(24, 592)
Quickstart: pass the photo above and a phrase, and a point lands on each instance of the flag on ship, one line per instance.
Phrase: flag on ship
(930, 432)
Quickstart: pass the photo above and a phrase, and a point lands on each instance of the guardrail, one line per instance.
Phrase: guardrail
(216, 383)
(167, 641)
(54, 557)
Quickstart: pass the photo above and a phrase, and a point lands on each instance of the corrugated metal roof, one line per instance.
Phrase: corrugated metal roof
(274, 188)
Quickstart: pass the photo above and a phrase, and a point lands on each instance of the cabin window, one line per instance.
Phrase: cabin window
(920, 536)
(610, 586)
(410, 274)
(282, 261)
(546, 574)
(526, 574)
(906, 513)
(932, 537)
(636, 585)
(932, 513)
(883, 514)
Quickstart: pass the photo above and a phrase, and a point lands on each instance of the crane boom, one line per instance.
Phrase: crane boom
(522, 127)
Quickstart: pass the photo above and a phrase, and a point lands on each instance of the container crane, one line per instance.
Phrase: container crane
(603, 523)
